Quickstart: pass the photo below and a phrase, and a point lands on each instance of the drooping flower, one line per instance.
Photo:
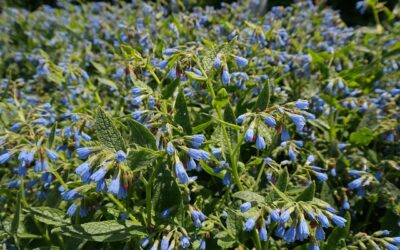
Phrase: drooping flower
(120, 156)
(83, 152)
(198, 154)
(181, 173)
(263, 233)
(302, 104)
(245, 207)
(270, 121)
(248, 136)
(249, 224)
(299, 121)
(339, 221)
(242, 62)
(260, 143)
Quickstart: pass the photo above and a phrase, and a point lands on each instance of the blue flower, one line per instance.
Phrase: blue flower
(292, 154)
(313, 246)
(83, 152)
(310, 159)
(164, 243)
(339, 221)
(70, 195)
(280, 231)
(302, 104)
(198, 140)
(249, 224)
(290, 235)
(263, 234)
(170, 51)
(202, 244)
(285, 216)
(191, 165)
(391, 247)
(357, 183)
(5, 157)
(120, 156)
(274, 215)
(302, 232)
(52, 155)
(298, 120)
(285, 136)
(98, 175)
(319, 233)
(242, 62)
(181, 173)
(184, 241)
(41, 166)
(321, 176)
(101, 186)
(260, 143)
(144, 242)
(248, 136)
(83, 171)
(198, 154)
(270, 121)
(240, 119)
(166, 213)
(116, 188)
(217, 63)
(226, 78)
(170, 148)
(71, 210)
(323, 220)
(227, 179)
(245, 207)
(346, 204)
(396, 240)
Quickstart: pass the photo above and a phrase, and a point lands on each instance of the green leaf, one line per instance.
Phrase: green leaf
(210, 171)
(107, 132)
(195, 76)
(102, 231)
(201, 127)
(107, 82)
(221, 99)
(182, 113)
(169, 89)
(226, 242)
(140, 135)
(263, 99)
(16, 219)
(48, 215)
(234, 223)
(51, 136)
(362, 137)
(100, 68)
(249, 196)
(281, 184)
(165, 183)
(307, 194)
(142, 158)
(338, 234)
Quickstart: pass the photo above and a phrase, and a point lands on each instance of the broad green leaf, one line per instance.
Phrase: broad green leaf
(102, 231)
(48, 215)
(169, 89)
(140, 135)
(263, 99)
(234, 223)
(142, 157)
(307, 194)
(182, 113)
(107, 82)
(338, 234)
(226, 242)
(165, 183)
(362, 137)
(107, 132)
(249, 196)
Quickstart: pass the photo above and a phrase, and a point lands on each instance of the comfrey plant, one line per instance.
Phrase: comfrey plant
(149, 126)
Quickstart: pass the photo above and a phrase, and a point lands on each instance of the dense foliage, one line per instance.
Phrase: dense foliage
(134, 128)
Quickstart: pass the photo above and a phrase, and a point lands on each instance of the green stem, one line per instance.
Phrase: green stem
(255, 185)
(232, 157)
(121, 206)
(256, 239)
(58, 177)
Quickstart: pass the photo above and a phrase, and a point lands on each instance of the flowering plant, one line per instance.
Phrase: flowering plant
(133, 127)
